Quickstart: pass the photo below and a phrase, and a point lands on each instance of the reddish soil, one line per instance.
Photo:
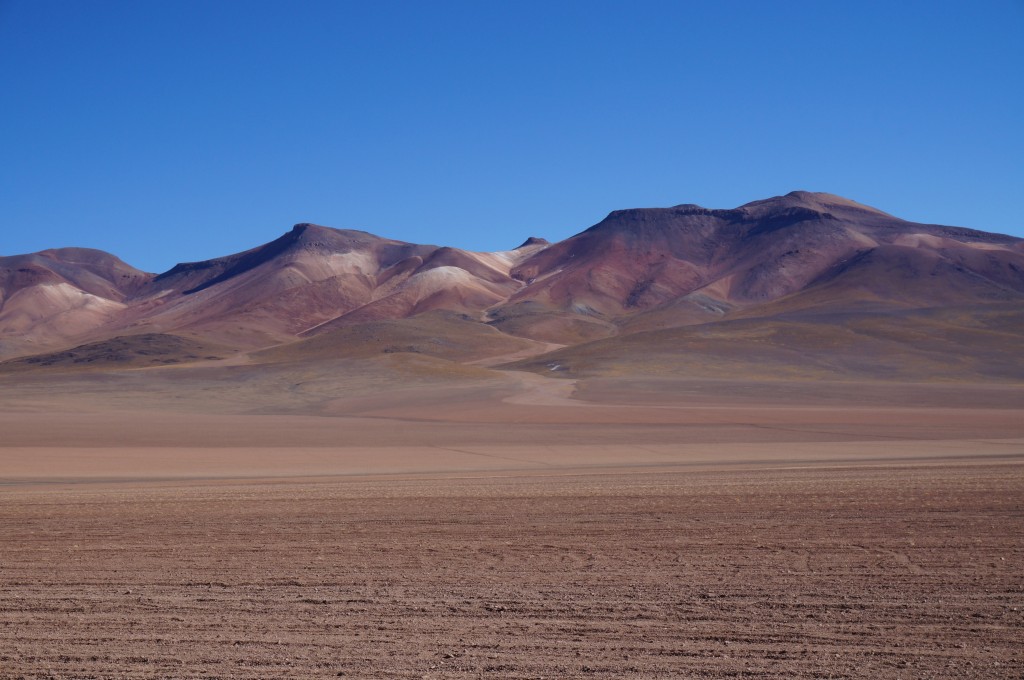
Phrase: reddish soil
(170, 523)
(862, 570)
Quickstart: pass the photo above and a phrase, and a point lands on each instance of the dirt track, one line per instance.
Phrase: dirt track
(819, 571)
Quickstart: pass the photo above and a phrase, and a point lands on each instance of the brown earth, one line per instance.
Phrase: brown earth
(177, 522)
(881, 570)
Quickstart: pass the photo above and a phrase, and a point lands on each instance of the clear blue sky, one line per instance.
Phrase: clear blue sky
(181, 130)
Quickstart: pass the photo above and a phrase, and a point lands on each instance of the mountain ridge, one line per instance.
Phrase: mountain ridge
(637, 270)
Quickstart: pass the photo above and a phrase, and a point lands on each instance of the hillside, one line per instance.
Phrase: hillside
(806, 285)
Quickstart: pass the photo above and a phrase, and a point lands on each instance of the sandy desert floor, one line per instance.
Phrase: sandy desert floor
(523, 528)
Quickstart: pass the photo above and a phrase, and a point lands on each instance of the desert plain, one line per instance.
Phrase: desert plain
(781, 440)
(218, 523)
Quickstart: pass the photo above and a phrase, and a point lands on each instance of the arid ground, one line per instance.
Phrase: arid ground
(512, 527)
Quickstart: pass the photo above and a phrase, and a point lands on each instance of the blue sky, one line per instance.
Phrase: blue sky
(172, 131)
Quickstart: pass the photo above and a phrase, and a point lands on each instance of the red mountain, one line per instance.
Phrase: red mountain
(706, 262)
(55, 297)
(636, 271)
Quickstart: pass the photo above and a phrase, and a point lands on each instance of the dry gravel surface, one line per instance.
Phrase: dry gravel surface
(873, 570)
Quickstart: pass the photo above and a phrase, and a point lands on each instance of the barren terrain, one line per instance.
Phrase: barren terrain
(162, 523)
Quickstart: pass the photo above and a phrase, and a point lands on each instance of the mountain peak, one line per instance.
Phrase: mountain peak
(329, 238)
(817, 201)
(534, 241)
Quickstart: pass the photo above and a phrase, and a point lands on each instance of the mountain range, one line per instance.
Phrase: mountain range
(801, 285)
